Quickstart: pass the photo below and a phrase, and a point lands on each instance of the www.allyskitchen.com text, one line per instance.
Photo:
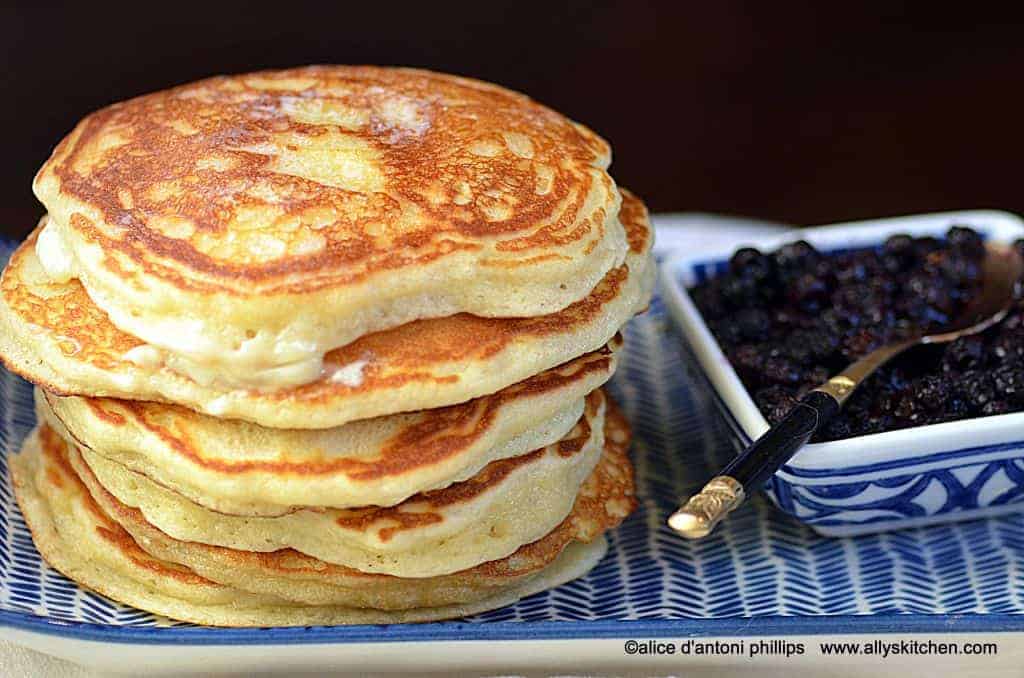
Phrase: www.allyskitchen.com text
(881, 648)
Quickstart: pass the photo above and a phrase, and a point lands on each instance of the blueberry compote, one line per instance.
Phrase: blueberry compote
(789, 319)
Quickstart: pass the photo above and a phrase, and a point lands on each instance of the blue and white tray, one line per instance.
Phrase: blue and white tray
(761, 574)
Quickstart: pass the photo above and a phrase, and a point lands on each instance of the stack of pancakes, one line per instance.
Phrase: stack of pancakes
(325, 346)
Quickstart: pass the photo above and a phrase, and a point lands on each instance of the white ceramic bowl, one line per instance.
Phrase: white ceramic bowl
(928, 474)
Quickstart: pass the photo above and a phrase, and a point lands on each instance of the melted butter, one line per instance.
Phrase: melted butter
(218, 405)
(350, 375)
(145, 356)
(54, 255)
(255, 376)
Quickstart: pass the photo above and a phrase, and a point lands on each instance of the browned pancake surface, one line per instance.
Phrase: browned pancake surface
(352, 171)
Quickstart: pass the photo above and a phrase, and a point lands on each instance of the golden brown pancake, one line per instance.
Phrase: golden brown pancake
(248, 224)
(83, 531)
(52, 334)
(507, 504)
(241, 468)
(75, 536)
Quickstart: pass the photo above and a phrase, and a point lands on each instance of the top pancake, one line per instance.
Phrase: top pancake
(249, 224)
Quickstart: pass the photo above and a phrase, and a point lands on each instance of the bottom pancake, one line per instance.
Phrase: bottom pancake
(81, 539)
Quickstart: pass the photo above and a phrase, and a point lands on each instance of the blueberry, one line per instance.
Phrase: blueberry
(996, 407)
(907, 407)
(753, 323)
(860, 343)
(930, 290)
(1008, 346)
(809, 293)
(781, 370)
(854, 297)
(1009, 382)
(861, 422)
(795, 257)
(1013, 321)
(727, 331)
(739, 292)
(775, 402)
(977, 388)
(852, 271)
(966, 240)
(926, 245)
(834, 322)
(708, 299)
(932, 392)
(751, 263)
(955, 408)
(966, 353)
(895, 378)
(899, 244)
(749, 361)
(818, 376)
(879, 423)
(888, 400)
(812, 345)
(838, 429)
(960, 270)
(785, 317)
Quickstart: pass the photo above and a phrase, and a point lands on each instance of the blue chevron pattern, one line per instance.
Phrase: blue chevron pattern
(761, 563)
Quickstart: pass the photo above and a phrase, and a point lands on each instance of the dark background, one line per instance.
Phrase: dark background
(808, 115)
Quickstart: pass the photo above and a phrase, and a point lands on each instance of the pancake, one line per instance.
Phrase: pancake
(52, 334)
(248, 224)
(510, 503)
(604, 500)
(75, 536)
(240, 468)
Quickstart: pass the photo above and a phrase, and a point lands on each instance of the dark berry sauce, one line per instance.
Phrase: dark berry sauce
(789, 319)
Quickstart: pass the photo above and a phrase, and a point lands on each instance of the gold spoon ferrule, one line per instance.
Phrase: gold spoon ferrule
(698, 517)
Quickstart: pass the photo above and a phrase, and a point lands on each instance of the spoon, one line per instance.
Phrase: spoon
(1001, 270)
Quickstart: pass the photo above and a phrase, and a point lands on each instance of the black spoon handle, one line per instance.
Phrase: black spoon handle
(760, 460)
(764, 456)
